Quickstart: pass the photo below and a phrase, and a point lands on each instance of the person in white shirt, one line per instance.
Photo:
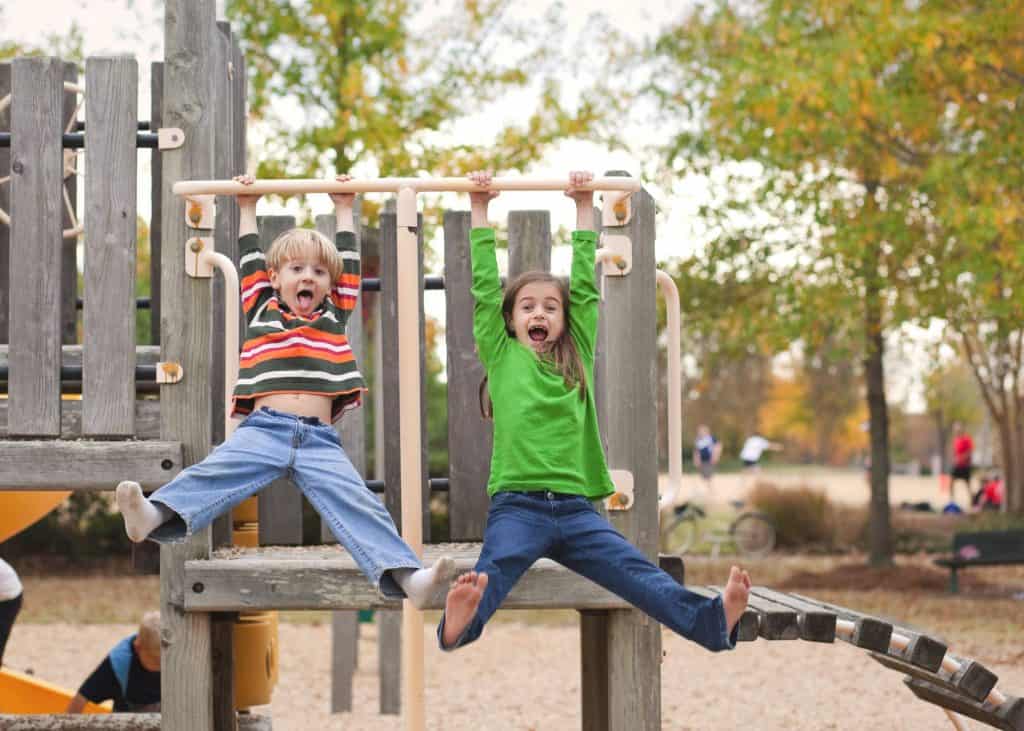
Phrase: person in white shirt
(753, 448)
(10, 602)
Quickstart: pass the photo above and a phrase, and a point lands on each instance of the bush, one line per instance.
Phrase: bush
(804, 517)
(84, 528)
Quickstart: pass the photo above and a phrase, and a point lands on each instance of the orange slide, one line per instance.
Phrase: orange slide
(20, 693)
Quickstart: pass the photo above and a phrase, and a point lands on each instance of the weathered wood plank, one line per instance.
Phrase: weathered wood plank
(750, 620)
(389, 660)
(869, 633)
(972, 680)
(388, 376)
(470, 436)
(147, 419)
(69, 247)
(531, 233)
(326, 577)
(280, 503)
(110, 722)
(225, 231)
(1008, 716)
(36, 246)
(777, 622)
(156, 115)
(84, 465)
(5, 204)
(187, 682)
(816, 624)
(108, 379)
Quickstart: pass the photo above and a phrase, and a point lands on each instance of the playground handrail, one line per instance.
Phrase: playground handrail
(392, 185)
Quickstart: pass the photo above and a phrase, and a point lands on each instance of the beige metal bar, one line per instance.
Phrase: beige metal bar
(414, 718)
(390, 185)
(675, 388)
(232, 296)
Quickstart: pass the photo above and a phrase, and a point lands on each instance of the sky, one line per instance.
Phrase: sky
(136, 28)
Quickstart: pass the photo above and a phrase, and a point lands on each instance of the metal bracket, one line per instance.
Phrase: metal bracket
(616, 209)
(622, 498)
(169, 138)
(622, 248)
(169, 372)
(200, 211)
(196, 265)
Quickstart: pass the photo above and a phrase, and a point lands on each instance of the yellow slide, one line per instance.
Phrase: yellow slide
(19, 510)
(20, 693)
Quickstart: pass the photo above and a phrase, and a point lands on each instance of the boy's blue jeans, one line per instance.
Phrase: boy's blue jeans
(523, 527)
(268, 445)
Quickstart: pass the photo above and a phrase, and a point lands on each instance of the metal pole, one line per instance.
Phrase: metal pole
(409, 426)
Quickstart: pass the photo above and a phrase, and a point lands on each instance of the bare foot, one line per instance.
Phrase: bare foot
(460, 606)
(734, 597)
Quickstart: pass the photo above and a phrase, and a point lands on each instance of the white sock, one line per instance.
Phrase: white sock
(420, 585)
(141, 517)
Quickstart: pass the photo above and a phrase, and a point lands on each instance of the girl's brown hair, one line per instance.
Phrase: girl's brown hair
(563, 354)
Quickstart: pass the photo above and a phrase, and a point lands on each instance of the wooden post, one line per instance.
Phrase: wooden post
(5, 204)
(469, 434)
(630, 647)
(531, 230)
(389, 660)
(36, 246)
(108, 319)
(280, 503)
(187, 676)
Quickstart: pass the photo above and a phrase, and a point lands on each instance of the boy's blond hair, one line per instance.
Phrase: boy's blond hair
(149, 632)
(298, 242)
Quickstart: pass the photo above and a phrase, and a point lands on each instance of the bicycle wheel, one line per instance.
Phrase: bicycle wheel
(754, 534)
(680, 534)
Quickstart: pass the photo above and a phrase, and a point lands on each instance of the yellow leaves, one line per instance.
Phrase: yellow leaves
(932, 41)
(968, 64)
(889, 168)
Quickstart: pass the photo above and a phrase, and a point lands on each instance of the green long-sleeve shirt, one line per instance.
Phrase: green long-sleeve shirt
(545, 436)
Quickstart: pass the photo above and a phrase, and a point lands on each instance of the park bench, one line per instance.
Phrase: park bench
(986, 548)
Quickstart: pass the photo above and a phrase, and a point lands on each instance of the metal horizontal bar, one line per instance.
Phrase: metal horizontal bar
(142, 125)
(437, 484)
(76, 140)
(74, 373)
(391, 185)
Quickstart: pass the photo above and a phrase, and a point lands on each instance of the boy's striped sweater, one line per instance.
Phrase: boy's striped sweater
(286, 353)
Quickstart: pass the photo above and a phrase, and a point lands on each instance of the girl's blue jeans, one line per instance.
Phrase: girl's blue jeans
(269, 445)
(523, 527)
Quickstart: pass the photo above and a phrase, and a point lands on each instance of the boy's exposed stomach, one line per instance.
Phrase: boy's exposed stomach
(298, 404)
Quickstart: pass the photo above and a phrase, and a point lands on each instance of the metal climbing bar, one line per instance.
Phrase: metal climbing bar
(393, 185)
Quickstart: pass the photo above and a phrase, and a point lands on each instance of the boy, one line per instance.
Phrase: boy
(297, 375)
(129, 675)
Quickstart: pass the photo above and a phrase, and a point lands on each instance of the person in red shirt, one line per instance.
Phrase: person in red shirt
(963, 451)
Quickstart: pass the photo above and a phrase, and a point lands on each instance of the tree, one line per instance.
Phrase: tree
(801, 110)
(379, 86)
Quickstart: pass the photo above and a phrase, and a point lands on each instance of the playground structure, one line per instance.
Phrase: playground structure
(110, 434)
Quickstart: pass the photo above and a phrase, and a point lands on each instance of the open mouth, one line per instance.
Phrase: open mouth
(305, 298)
(538, 333)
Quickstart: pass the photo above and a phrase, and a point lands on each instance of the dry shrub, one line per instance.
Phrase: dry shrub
(804, 517)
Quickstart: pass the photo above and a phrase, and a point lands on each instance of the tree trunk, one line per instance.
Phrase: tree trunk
(879, 529)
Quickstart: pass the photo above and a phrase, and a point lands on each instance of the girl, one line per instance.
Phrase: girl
(537, 347)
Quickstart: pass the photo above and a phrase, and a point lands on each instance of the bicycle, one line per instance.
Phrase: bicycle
(752, 532)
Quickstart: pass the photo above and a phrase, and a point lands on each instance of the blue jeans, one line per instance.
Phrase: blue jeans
(269, 445)
(523, 527)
